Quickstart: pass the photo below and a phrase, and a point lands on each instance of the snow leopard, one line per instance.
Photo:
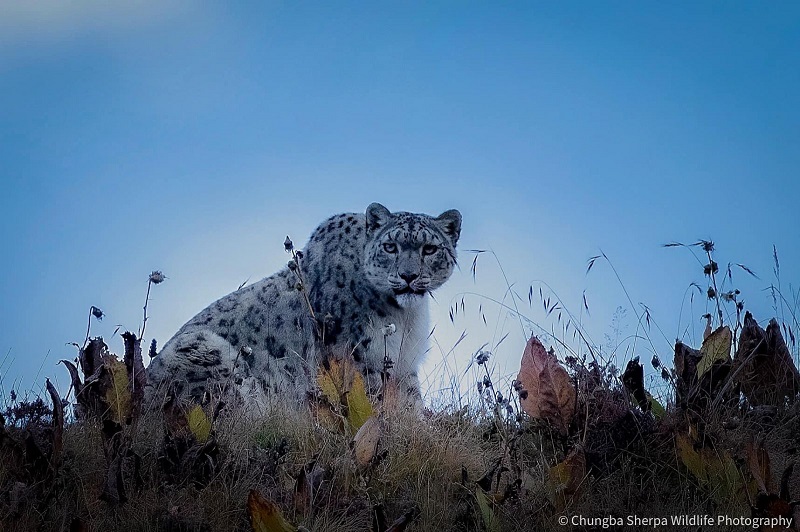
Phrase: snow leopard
(359, 287)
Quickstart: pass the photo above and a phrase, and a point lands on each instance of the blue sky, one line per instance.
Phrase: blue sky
(192, 138)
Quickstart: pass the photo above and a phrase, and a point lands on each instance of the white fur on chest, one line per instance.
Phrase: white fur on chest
(407, 346)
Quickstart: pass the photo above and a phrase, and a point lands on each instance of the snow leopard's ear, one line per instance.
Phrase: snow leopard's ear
(450, 224)
(377, 216)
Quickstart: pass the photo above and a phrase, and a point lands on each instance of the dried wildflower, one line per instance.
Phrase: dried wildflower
(509, 409)
(655, 362)
(708, 245)
(523, 394)
(389, 329)
(665, 374)
(287, 244)
(711, 292)
(740, 306)
(13, 396)
(299, 255)
(711, 267)
(729, 296)
(156, 277)
(499, 398)
(153, 351)
(482, 357)
(97, 313)
(487, 382)
(480, 387)
(292, 265)
(517, 385)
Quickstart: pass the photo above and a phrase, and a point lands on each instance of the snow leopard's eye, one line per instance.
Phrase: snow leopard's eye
(390, 247)
(429, 249)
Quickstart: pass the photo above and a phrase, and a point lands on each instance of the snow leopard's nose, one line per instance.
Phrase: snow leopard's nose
(408, 277)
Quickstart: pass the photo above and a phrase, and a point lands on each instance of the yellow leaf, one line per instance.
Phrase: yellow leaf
(327, 386)
(359, 408)
(265, 516)
(714, 468)
(343, 387)
(565, 478)
(117, 394)
(199, 423)
(550, 392)
(716, 348)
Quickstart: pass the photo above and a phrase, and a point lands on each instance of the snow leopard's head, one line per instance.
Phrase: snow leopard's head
(409, 255)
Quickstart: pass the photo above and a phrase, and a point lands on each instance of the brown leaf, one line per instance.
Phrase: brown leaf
(485, 482)
(403, 521)
(307, 484)
(758, 464)
(58, 425)
(633, 380)
(763, 365)
(77, 385)
(91, 357)
(566, 478)
(137, 376)
(265, 516)
(693, 392)
(365, 442)
(550, 392)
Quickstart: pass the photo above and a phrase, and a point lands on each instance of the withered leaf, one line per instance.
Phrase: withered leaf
(400, 524)
(551, 394)
(633, 380)
(365, 442)
(566, 478)
(758, 465)
(763, 365)
(58, 425)
(265, 516)
(137, 375)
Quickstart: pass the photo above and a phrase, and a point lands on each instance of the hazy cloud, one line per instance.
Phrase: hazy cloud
(53, 21)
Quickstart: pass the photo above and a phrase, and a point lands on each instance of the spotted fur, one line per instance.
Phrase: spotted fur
(362, 272)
